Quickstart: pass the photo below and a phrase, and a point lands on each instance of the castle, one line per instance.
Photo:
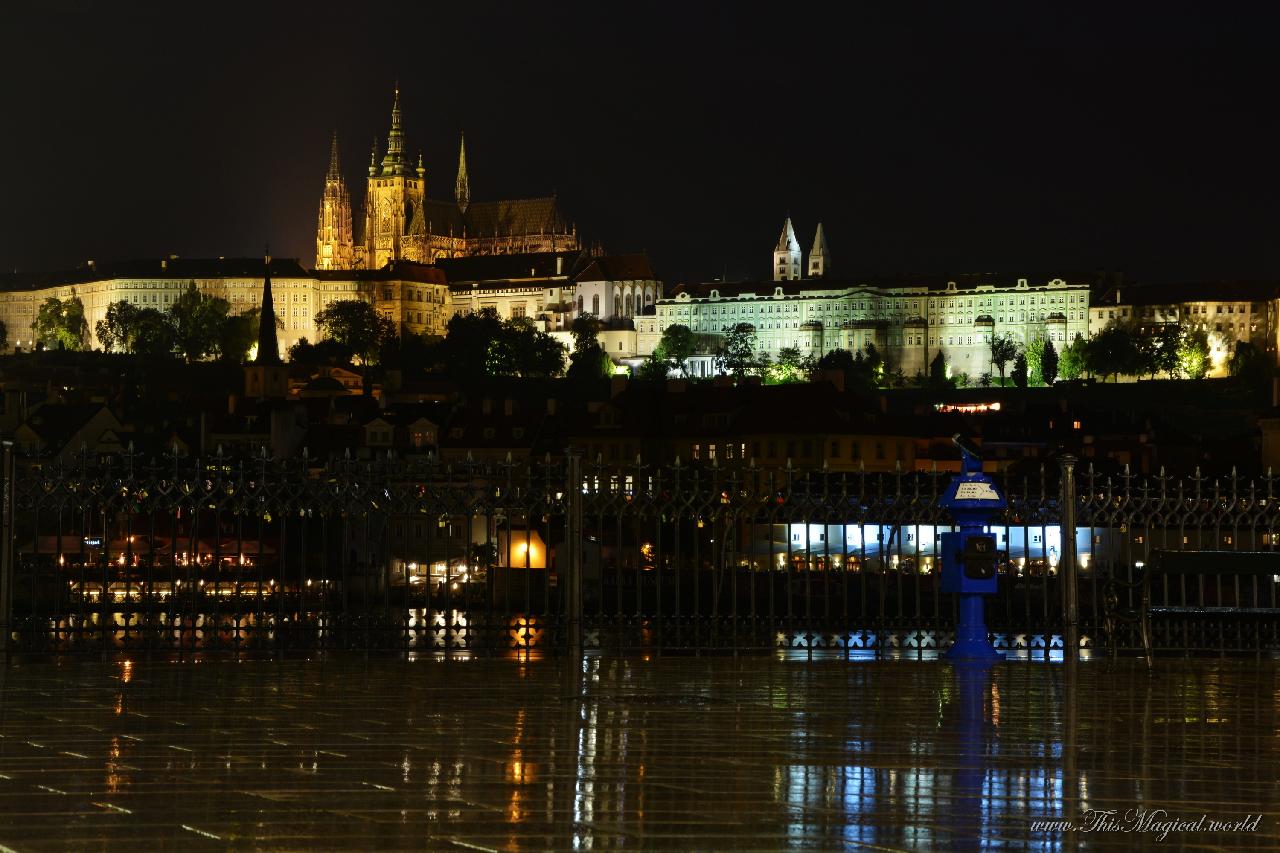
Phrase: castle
(401, 222)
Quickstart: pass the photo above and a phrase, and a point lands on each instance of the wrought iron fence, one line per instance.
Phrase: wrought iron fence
(213, 554)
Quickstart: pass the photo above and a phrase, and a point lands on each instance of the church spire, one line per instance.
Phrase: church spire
(335, 170)
(819, 257)
(393, 162)
(462, 190)
(786, 257)
(268, 346)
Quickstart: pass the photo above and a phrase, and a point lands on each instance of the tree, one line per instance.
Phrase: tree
(357, 325)
(938, 372)
(678, 344)
(1034, 351)
(1160, 353)
(520, 349)
(197, 322)
(1049, 363)
(589, 361)
(1003, 350)
(1073, 361)
(789, 367)
(465, 351)
(153, 336)
(60, 323)
(117, 330)
(239, 333)
(738, 352)
(837, 359)
(1019, 372)
(326, 352)
(4, 335)
(1193, 354)
(1248, 364)
(655, 368)
(1112, 352)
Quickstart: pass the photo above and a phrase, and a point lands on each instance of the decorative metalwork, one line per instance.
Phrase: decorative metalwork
(260, 556)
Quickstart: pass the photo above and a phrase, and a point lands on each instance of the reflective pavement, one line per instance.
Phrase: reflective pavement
(670, 753)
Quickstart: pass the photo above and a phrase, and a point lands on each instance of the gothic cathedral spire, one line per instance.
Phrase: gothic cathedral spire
(335, 243)
(393, 163)
(462, 190)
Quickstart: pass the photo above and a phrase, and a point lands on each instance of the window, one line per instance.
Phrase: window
(517, 311)
(835, 450)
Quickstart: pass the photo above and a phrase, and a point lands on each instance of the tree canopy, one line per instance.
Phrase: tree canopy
(60, 323)
(357, 325)
(197, 320)
(589, 361)
(738, 351)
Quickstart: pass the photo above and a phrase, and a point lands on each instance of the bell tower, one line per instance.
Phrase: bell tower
(786, 257)
(394, 201)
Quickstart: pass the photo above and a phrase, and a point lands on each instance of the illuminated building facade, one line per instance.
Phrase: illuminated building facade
(401, 222)
(1227, 312)
(909, 322)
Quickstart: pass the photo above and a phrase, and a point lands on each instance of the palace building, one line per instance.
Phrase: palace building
(909, 320)
(402, 222)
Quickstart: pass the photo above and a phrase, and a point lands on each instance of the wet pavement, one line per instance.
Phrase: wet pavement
(670, 753)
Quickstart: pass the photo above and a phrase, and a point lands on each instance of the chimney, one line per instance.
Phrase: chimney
(1117, 296)
(559, 265)
(486, 406)
(551, 405)
(231, 404)
(507, 407)
(164, 264)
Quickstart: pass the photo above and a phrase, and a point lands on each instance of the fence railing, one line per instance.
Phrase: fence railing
(191, 555)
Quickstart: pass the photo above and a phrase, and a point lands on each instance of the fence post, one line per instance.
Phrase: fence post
(1067, 566)
(573, 544)
(7, 533)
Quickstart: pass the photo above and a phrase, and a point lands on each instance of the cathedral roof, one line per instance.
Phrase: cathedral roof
(394, 271)
(618, 268)
(461, 272)
(935, 284)
(515, 217)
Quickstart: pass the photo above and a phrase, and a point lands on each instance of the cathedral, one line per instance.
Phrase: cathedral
(401, 222)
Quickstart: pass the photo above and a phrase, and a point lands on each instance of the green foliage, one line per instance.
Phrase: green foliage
(1160, 352)
(1034, 351)
(1019, 374)
(357, 325)
(1193, 354)
(588, 362)
(1114, 352)
(836, 359)
(1049, 363)
(323, 352)
(678, 344)
(1073, 362)
(938, 372)
(655, 368)
(790, 366)
(197, 322)
(4, 335)
(738, 351)
(520, 349)
(1248, 364)
(153, 336)
(117, 330)
(60, 323)
(465, 352)
(985, 380)
(239, 333)
(1004, 349)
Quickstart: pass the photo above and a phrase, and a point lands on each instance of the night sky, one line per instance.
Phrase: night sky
(929, 138)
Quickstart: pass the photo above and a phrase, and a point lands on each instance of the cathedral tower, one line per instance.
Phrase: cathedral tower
(395, 221)
(786, 257)
(462, 190)
(335, 245)
(819, 257)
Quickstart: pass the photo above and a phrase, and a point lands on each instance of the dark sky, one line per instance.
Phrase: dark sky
(929, 138)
